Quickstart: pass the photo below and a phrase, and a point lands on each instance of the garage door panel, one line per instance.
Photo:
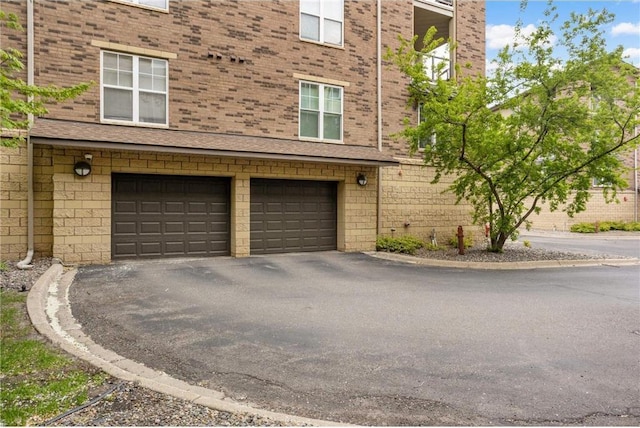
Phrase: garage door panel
(126, 207)
(147, 227)
(291, 215)
(174, 208)
(160, 216)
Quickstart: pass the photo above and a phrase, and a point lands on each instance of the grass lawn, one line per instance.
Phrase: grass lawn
(37, 381)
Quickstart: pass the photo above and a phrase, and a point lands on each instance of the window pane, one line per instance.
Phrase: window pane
(310, 27)
(310, 6)
(118, 104)
(125, 78)
(332, 32)
(160, 83)
(110, 77)
(144, 65)
(310, 99)
(110, 61)
(159, 67)
(332, 129)
(145, 81)
(309, 124)
(153, 108)
(333, 9)
(332, 100)
(125, 63)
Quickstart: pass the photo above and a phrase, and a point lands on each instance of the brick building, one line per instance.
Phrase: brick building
(222, 128)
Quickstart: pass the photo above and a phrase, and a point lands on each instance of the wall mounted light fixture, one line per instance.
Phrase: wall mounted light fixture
(83, 168)
(361, 179)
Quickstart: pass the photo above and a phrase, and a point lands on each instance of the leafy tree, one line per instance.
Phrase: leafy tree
(549, 120)
(19, 99)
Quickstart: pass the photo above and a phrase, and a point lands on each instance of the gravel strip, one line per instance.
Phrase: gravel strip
(513, 252)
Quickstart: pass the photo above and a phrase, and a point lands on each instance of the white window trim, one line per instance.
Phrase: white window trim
(135, 3)
(136, 91)
(321, 112)
(321, 35)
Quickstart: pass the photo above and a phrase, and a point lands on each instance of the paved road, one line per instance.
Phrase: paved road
(350, 338)
(623, 244)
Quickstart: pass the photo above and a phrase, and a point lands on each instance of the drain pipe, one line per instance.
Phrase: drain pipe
(379, 100)
(26, 263)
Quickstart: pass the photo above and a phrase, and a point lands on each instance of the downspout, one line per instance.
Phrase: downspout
(379, 101)
(26, 263)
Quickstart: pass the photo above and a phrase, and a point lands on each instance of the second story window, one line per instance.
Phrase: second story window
(320, 111)
(133, 89)
(321, 21)
(158, 4)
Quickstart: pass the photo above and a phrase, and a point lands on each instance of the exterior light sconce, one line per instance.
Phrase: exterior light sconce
(361, 179)
(83, 168)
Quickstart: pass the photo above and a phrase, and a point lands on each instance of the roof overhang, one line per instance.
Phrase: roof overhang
(88, 135)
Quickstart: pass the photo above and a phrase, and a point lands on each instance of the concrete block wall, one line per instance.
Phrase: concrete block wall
(408, 197)
(81, 231)
(626, 210)
(13, 202)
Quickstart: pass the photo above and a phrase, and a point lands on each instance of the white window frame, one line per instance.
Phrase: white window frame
(141, 3)
(322, 16)
(321, 112)
(135, 89)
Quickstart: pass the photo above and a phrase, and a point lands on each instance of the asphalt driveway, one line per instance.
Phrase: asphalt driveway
(350, 338)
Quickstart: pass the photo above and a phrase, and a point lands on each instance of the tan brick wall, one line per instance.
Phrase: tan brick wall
(79, 208)
(13, 202)
(408, 198)
(256, 97)
(597, 210)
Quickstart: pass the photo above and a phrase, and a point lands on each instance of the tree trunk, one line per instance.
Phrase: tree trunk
(498, 241)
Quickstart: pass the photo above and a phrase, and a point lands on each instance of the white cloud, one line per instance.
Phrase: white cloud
(498, 36)
(633, 55)
(626, 28)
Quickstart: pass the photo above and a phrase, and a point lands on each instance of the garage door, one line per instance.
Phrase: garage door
(169, 216)
(290, 216)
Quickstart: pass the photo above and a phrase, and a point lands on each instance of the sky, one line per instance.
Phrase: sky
(502, 16)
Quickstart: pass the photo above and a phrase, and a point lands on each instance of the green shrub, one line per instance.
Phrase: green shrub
(3, 266)
(633, 226)
(526, 243)
(605, 226)
(583, 228)
(404, 244)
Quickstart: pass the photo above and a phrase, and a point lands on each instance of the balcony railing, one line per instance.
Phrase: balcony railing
(437, 67)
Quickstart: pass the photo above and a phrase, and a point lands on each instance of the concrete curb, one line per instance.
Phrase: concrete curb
(50, 313)
(542, 264)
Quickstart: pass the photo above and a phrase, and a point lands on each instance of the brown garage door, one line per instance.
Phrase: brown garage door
(290, 216)
(169, 216)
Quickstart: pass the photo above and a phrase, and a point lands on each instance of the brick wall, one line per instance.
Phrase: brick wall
(256, 97)
(81, 206)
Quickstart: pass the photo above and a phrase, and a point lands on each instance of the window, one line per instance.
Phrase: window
(158, 4)
(425, 141)
(321, 21)
(320, 111)
(134, 89)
